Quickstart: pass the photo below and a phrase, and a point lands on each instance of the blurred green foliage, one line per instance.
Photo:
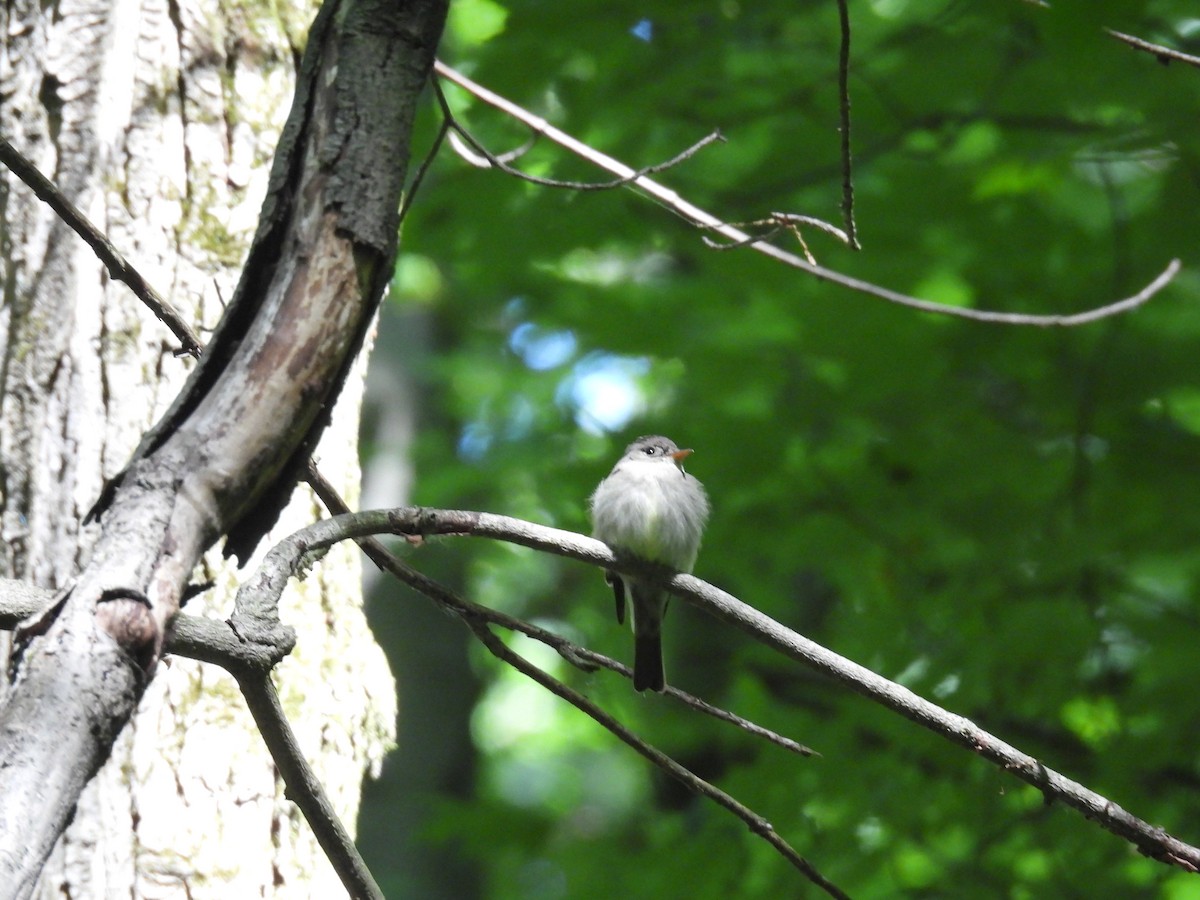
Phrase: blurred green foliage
(1004, 519)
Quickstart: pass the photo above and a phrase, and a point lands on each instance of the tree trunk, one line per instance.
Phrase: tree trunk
(158, 120)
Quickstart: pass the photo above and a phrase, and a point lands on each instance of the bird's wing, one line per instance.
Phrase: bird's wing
(618, 587)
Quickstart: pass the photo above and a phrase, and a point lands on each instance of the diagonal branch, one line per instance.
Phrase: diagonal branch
(1163, 54)
(287, 557)
(706, 220)
(756, 823)
(118, 267)
(303, 787)
(580, 657)
(417, 521)
(487, 159)
(257, 606)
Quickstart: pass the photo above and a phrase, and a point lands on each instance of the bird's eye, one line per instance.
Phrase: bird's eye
(649, 451)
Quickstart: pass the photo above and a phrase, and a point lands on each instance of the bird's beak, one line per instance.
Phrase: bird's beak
(680, 455)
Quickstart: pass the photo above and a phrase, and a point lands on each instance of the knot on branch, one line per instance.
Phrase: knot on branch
(424, 521)
(262, 643)
(127, 615)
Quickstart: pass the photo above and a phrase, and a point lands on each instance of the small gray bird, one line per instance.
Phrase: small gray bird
(649, 507)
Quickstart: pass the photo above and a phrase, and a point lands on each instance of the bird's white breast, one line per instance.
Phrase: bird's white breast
(653, 510)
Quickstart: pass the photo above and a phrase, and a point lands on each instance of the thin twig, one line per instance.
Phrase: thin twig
(499, 163)
(406, 203)
(697, 216)
(777, 222)
(580, 657)
(844, 112)
(796, 221)
(464, 151)
(1163, 54)
(725, 715)
(118, 267)
(756, 823)
(770, 226)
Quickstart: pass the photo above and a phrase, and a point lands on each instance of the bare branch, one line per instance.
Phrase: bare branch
(464, 151)
(303, 787)
(580, 657)
(498, 162)
(756, 823)
(423, 169)
(701, 218)
(118, 267)
(726, 716)
(795, 221)
(287, 557)
(777, 222)
(416, 521)
(1164, 54)
(256, 607)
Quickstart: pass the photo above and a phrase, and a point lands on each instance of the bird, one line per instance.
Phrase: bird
(650, 508)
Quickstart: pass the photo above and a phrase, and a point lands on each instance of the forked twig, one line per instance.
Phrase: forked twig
(414, 521)
(499, 162)
(695, 215)
(580, 657)
(259, 595)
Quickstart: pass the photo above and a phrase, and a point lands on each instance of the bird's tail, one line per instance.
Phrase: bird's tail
(648, 663)
(649, 607)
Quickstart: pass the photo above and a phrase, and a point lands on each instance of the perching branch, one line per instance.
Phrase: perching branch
(581, 657)
(257, 605)
(707, 221)
(415, 521)
(418, 522)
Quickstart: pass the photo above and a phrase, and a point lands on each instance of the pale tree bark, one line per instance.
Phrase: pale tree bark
(158, 119)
